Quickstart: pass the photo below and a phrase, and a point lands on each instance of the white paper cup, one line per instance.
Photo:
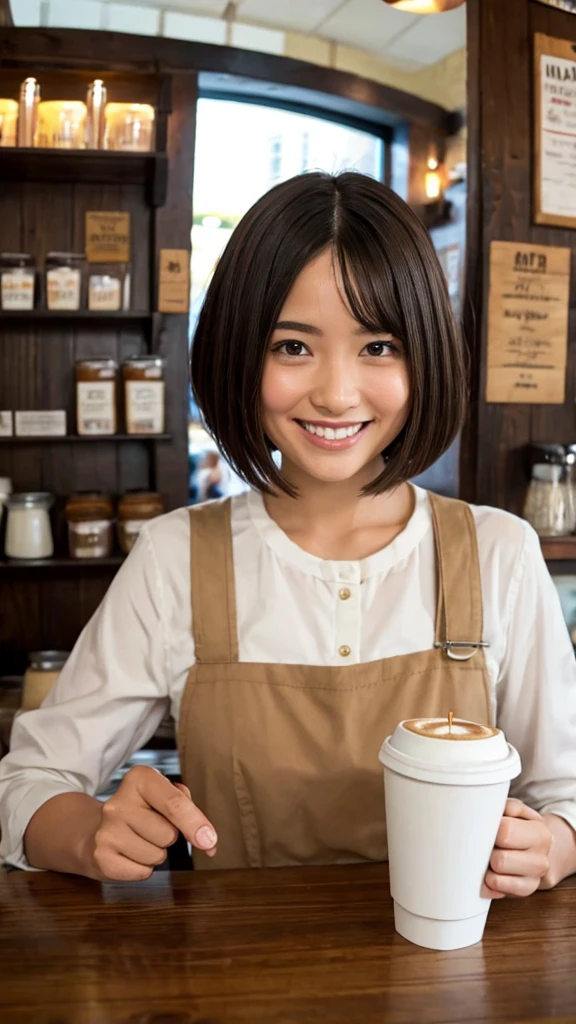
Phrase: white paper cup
(444, 801)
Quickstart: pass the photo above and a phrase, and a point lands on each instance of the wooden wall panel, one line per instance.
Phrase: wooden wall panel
(500, 157)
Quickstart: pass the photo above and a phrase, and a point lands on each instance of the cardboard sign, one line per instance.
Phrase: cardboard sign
(108, 237)
(555, 132)
(528, 323)
(174, 281)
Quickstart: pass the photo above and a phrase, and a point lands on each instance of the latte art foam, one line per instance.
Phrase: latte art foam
(449, 729)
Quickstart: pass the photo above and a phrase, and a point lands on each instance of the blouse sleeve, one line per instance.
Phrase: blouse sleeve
(537, 689)
(108, 701)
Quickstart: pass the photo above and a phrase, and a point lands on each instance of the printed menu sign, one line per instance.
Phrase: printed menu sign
(555, 121)
(174, 289)
(108, 237)
(527, 323)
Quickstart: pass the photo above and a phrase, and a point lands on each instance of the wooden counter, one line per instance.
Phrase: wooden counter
(274, 946)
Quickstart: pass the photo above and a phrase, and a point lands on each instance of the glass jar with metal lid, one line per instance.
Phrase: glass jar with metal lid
(17, 281)
(144, 394)
(28, 529)
(550, 505)
(40, 676)
(134, 509)
(90, 517)
(65, 281)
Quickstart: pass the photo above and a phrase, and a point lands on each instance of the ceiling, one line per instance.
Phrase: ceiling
(409, 41)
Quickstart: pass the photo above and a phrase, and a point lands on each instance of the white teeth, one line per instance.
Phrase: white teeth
(332, 434)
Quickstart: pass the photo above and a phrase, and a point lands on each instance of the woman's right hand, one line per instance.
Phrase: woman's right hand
(141, 821)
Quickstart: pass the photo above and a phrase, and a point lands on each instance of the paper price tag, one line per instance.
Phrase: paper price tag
(174, 281)
(108, 237)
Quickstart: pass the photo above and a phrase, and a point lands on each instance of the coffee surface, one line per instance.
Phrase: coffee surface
(445, 729)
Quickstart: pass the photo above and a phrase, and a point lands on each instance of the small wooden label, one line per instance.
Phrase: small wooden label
(528, 323)
(108, 237)
(174, 281)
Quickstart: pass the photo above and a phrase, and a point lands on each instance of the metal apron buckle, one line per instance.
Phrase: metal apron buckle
(447, 645)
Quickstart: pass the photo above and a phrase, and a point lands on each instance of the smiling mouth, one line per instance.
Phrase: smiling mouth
(333, 433)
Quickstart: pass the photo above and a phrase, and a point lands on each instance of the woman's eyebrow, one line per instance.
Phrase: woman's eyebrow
(294, 325)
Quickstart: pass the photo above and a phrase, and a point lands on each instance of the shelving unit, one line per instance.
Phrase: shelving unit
(44, 197)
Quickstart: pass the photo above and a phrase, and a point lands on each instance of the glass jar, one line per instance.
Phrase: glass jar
(144, 394)
(28, 529)
(40, 676)
(134, 509)
(17, 281)
(109, 287)
(8, 122)
(96, 396)
(65, 280)
(129, 126)
(550, 505)
(90, 517)
(61, 124)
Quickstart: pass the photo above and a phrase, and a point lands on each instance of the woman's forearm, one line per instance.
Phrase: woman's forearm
(562, 855)
(60, 835)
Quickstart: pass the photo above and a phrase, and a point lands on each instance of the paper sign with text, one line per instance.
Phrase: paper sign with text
(528, 323)
(174, 289)
(108, 237)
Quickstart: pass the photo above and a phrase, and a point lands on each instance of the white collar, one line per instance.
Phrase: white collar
(378, 564)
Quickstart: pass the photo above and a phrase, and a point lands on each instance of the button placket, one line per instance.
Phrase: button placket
(347, 611)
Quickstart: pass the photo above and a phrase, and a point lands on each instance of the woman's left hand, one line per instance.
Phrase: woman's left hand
(520, 858)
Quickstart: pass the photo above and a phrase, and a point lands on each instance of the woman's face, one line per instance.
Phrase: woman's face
(333, 396)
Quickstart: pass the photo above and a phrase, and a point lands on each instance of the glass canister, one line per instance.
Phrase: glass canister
(96, 396)
(129, 127)
(8, 122)
(17, 281)
(65, 280)
(135, 509)
(28, 529)
(40, 676)
(109, 287)
(144, 394)
(90, 517)
(550, 505)
(61, 124)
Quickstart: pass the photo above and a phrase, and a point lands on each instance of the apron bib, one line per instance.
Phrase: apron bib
(283, 759)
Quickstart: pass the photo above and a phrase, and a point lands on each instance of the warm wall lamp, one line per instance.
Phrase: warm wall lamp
(424, 6)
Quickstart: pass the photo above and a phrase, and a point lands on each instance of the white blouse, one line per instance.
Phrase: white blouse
(131, 662)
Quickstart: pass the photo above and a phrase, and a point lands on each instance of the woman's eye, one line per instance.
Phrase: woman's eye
(380, 348)
(292, 348)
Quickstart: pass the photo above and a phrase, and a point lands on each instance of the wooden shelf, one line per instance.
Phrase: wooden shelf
(88, 166)
(85, 439)
(24, 564)
(45, 315)
(559, 549)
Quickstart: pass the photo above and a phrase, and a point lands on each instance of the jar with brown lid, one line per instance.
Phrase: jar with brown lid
(90, 516)
(65, 280)
(144, 394)
(96, 396)
(134, 509)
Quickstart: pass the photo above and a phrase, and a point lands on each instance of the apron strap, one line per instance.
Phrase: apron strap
(459, 616)
(213, 593)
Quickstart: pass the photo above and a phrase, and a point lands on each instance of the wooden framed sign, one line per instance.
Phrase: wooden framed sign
(174, 281)
(108, 236)
(555, 128)
(528, 323)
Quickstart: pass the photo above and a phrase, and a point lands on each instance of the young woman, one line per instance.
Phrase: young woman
(292, 628)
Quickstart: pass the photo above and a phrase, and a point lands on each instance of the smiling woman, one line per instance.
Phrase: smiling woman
(365, 264)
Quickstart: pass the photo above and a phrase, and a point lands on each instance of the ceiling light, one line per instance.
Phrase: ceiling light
(424, 6)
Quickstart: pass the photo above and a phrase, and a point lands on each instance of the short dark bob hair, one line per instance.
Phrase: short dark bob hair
(393, 282)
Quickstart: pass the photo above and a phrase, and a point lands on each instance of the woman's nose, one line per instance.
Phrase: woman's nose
(335, 388)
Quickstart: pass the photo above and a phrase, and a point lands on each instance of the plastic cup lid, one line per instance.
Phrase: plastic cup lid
(437, 750)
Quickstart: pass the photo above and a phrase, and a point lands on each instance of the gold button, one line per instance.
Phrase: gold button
(344, 594)
(344, 651)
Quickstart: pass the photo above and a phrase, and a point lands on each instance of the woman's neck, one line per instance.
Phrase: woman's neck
(335, 521)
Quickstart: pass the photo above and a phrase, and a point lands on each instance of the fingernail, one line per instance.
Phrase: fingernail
(206, 837)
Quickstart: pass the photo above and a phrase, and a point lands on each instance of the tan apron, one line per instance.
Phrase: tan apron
(283, 759)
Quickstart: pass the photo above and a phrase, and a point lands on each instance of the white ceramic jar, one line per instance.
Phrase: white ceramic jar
(28, 530)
